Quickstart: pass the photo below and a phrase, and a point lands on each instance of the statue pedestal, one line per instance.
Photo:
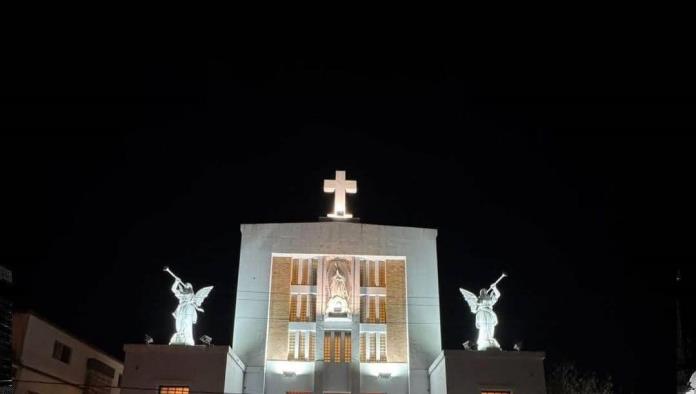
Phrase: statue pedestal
(200, 368)
(472, 372)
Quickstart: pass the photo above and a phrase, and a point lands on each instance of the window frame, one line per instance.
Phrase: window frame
(168, 387)
(61, 352)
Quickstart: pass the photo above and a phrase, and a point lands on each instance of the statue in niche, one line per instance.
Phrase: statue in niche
(486, 319)
(186, 313)
(338, 295)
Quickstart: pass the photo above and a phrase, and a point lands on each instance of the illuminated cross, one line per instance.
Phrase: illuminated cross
(340, 186)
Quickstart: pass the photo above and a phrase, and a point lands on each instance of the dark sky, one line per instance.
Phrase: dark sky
(571, 173)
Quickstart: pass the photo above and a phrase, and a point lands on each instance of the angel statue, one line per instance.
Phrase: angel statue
(692, 384)
(338, 296)
(186, 314)
(486, 319)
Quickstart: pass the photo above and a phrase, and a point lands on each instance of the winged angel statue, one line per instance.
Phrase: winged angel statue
(692, 384)
(186, 314)
(486, 319)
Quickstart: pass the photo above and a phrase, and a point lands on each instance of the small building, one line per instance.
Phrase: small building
(48, 360)
(180, 369)
(5, 329)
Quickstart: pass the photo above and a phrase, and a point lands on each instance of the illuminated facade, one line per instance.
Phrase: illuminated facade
(337, 307)
(334, 307)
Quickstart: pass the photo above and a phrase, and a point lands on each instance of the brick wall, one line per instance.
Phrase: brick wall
(396, 312)
(279, 309)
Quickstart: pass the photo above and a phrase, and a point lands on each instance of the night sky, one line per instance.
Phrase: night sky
(574, 176)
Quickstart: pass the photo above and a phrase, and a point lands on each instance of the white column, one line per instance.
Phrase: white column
(299, 271)
(367, 346)
(306, 344)
(377, 343)
(307, 309)
(377, 273)
(377, 307)
(297, 345)
(298, 303)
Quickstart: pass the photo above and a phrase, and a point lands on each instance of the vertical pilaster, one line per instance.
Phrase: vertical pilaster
(279, 309)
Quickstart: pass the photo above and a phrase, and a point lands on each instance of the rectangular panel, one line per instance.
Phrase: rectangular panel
(327, 346)
(397, 349)
(347, 348)
(279, 309)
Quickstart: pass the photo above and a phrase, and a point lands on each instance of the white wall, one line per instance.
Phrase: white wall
(33, 342)
(303, 380)
(260, 241)
(370, 382)
(50, 385)
(234, 373)
(438, 376)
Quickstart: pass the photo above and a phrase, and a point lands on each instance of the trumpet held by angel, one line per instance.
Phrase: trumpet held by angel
(486, 319)
(186, 313)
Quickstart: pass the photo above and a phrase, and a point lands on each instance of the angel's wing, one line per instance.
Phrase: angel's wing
(201, 294)
(470, 298)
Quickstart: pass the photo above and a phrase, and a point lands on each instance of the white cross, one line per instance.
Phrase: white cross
(340, 186)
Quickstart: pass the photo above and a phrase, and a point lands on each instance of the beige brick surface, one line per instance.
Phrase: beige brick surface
(279, 309)
(397, 346)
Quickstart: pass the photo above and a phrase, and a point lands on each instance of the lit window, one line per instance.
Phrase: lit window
(294, 276)
(312, 345)
(373, 273)
(383, 310)
(303, 307)
(337, 347)
(61, 352)
(371, 309)
(174, 390)
(382, 274)
(496, 392)
(327, 346)
(373, 347)
(313, 273)
(291, 345)
(347, 348)
(301, 345)
(293, 307)
(305, 272)
(383, 347)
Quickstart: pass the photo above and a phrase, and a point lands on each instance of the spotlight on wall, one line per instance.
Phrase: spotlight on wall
(206, 340)
(148, 339)
(289, 374)
(384, 375)
(466, 345)
(518, 346)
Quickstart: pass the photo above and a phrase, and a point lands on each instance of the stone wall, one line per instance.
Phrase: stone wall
(396, 312)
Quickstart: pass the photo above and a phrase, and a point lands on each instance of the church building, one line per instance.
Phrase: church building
(335, 307)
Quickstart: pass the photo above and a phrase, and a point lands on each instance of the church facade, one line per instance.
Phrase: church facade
(334, 307)
(337, 307)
